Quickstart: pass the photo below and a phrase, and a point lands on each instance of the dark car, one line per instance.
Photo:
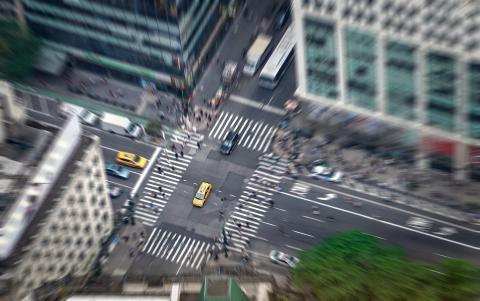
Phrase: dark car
(282, 15)
(229, 143)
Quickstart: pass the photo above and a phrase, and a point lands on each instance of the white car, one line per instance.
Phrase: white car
(283, 258)
(419, 223)
(83, 114)
(326, 173)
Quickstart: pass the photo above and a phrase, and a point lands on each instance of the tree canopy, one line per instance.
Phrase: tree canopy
(356, 266)
(18, 50)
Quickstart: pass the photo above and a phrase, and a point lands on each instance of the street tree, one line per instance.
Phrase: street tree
(18, 50)
(355, 266)
(154, 129)
(457, 280)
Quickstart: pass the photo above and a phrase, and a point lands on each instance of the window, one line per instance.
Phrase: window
(62, 214)
(82, 199)
(88, 171)
(95, 160)
(90, 242)
(73, 213)
(99, 228)
(102, 203)
(76, 228)
(91, 184)
(67, 241)
(79, 242)
(87, 229)
(54, 227)
(71, 199)
(85, 214)
(93, 200)
(79, 187)
(81, 255)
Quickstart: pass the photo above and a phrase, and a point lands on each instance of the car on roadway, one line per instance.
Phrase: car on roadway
(114, 191)
(131, 159)
(85, 116)
(202, 194)
(116, 170)
(282, 15)
(283, 258)
(321, 172)
(229, 143)
(419, 223)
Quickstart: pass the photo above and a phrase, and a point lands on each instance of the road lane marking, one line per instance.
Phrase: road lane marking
(273, 225)
(444, 256)
(151, 162)
(385, 205)
(294, 248)
(302, 233)
(379, 237)
(312, 218)
(115, 183)
(381, 221)
(280, 209)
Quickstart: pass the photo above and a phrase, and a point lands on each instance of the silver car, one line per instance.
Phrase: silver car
(283, 258)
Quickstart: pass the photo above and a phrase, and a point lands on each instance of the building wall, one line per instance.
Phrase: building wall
(164, 39)
(11, 9)
(70, 237)
(411, 63)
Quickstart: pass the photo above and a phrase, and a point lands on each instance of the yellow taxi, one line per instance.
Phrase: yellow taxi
(202, 194)
(130, 159)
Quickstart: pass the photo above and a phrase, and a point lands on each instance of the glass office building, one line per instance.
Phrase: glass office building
(414, 65)
(164, 42)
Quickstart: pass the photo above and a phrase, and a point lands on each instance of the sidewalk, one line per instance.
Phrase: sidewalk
(130, 241)
(433, 191)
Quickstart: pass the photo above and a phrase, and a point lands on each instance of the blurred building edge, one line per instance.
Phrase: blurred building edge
(413, 66)
(55, 209)
(218, 287)
(12, 10)
(154, 44)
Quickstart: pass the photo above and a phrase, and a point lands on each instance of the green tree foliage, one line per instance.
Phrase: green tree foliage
(154, 129)
(18, 50)
(355, 266)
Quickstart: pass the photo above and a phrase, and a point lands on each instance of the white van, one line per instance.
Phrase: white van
(83, 114)
(121, 125)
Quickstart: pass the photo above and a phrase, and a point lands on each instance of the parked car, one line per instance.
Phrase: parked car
(114, 191)
(118, 171)
(283, 258)
(229, 143)
(326, 173)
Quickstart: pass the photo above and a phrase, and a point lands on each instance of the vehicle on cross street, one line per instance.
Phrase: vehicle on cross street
(229, 143)
(283, 259)
(202, 194)
(321, 172)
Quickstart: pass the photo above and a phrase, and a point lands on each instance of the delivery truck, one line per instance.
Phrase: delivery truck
(121, 125)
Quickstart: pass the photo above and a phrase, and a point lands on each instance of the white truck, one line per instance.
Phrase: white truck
(85, 116)
(121, 125)
(257, 53)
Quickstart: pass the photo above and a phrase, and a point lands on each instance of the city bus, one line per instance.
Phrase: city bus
(278, 62)
(257, 54)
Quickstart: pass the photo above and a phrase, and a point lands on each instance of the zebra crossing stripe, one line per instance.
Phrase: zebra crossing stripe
(244, 134)
(192, 263)
(258, 140)
(250, 134)
(158, 245)
(187, 243)
(216, 124)
(223, 128)
(180, 245)
(224, 135)
(164, 244)
(151, 235)
(238, 124)
(243, 126)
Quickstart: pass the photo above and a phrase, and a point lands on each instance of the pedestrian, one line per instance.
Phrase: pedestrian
(160, 188)
(163, 194)
(240, 206)
(173, 147)
(198, 145)
(173, 168)
(176, 156)
(247, 224)
(159, 169)
(271, 203)
(154, 195)
(181, 154)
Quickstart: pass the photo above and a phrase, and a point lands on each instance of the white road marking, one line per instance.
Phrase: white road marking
(123, 185)
(293, 248)
(387, 206)
(302, 233)
(151, 162)
(381, 221)
(216, 124)
(312, 218)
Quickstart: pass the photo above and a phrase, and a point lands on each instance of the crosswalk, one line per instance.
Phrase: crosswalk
(177, 248)
(254, 135)
(254, 201)
(164, 178)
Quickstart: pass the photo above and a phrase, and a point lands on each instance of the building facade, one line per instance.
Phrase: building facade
(413, 65)
(55, 209)
(11, 10)
(160, 43)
